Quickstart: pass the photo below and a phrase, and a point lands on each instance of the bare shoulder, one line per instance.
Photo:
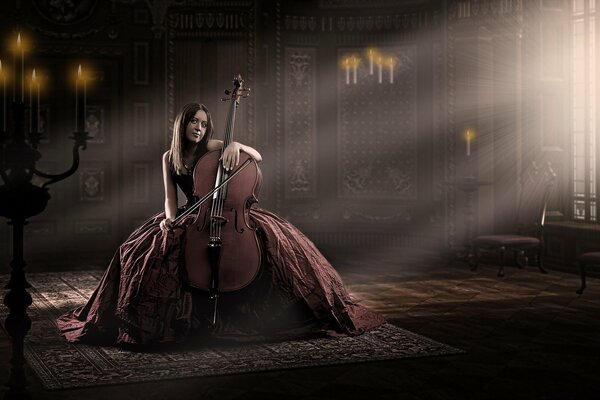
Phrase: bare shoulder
(166, 157)
(214, 144)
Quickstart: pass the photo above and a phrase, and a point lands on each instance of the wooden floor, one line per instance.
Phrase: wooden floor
(527, 336)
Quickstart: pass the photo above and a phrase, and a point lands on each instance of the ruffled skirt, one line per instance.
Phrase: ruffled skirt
(143, 299)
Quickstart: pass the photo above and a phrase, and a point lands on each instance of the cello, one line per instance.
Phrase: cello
(222, 251)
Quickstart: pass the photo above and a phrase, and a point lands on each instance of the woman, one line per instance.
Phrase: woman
(143, 298)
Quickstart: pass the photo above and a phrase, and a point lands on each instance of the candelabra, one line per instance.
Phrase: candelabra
(20, 199)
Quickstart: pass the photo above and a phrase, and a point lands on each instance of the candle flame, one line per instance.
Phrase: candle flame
(469, 135)
(79, 71)
(19, 40)
(33, 77)
(373, 53)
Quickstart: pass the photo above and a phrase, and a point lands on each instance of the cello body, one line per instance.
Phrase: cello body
(239, 256)
(222, 251)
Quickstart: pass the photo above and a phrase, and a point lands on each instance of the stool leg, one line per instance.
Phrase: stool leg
(582, 272)
(540, 262)
(501, 270)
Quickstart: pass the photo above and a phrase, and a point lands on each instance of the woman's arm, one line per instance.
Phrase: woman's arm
(170, 194)
(231, 155)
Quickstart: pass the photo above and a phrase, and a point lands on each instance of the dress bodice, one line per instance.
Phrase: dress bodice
(186, 182)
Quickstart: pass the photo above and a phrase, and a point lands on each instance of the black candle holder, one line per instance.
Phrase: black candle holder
(20, 199)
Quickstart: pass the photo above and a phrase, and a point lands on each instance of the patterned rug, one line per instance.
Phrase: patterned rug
(61, 365)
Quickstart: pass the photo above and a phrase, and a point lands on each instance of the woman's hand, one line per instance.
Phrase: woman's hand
(166, 225)
(231, 155)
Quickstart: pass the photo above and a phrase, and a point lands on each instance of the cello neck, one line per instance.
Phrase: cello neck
(234, 101)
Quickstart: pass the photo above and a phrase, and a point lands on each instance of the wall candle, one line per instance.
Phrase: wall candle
(391, 70)
(347, 71)
(379, 65)
(370, 62)
(354, 65)
(468, 137)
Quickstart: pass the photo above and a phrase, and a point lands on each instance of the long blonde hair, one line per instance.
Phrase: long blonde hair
(182, 119)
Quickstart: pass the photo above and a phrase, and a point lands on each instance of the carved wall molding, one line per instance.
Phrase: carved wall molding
(357, 3)
(361, 240)
(300, 122)
(370, 23)
(278, 109)
(310, 212)
(353, 212)
(80, 50)
(477, 9)
(41, 228)
(233, 21)
(91, 226)
(92, 184)
(95, 123)
(65, 12)
(68, 35)
(439, 118)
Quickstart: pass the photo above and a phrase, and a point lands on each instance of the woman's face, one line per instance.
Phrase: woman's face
(196, 128)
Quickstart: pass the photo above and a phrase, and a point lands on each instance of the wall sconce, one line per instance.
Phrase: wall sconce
(382, 61)
(20, 199)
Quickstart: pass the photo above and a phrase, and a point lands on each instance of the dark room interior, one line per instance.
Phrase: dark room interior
(441, 155)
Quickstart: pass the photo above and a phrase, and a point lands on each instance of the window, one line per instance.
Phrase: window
(583, 110)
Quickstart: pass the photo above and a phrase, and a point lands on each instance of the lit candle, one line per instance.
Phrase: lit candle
(3, 98)
(80, 102)
(347, 64)
(22, 53)
(468, 137)
(354, 66)
(371, 62)
(379, 65)
(34, 103)
(14, 70)
(391, 70)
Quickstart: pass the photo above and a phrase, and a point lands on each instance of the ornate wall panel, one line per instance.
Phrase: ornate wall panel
(439, 118)
(203, 70)
(141, 128)
(300, 122)
(92, 185)
(95, 123)
(378, 136)
(141, 181)
(141, 63)
(91, 227)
